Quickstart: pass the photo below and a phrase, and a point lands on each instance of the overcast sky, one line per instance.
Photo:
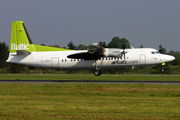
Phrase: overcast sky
(147, 22)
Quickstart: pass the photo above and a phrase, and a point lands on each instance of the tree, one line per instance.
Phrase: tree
(3, 55)
(162, 50)
(71, 46)
(43, 44)
(176, 55)
(141, 46)
(14, 68)
(82, 47)
(103, 44)
(117, 42)
(64, 47)
(57, 46)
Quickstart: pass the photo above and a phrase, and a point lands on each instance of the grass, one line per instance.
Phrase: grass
(89, 77)
(89, 101)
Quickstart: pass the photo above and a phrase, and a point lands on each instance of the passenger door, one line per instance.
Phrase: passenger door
(55, 62)
(142, 59)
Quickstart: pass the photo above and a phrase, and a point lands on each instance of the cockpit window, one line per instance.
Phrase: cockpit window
(155, 52)
(152, 52)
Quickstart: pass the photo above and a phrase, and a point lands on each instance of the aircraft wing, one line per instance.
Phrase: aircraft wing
(95, 51)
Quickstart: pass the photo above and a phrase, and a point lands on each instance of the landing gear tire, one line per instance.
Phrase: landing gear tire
(162, 70)
(97, 72)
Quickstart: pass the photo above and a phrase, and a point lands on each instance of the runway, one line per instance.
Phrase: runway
(90, 81)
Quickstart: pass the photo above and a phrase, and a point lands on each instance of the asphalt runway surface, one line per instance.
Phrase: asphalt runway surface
(90, 81)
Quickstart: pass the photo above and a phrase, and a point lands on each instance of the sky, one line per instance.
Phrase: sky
(147, 22)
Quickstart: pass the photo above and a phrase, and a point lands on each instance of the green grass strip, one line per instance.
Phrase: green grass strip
(90, 77)
(89, 101)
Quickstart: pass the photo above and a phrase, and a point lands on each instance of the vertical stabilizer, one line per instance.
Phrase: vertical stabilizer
(20, 39)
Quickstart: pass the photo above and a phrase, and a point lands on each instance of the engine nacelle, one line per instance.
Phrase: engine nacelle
(112, 52)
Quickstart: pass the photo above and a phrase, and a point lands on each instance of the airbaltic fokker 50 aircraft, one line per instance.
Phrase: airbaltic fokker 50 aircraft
(23, 51)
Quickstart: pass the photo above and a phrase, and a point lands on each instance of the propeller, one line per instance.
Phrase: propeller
(123, 53)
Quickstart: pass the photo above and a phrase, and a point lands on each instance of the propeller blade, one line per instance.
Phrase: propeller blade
(123, 52)
(124, 47)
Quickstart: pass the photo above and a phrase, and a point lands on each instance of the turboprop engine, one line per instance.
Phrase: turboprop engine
(113, 52)
(96, 48)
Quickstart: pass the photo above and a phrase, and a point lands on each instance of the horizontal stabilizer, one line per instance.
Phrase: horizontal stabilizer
(22, 52)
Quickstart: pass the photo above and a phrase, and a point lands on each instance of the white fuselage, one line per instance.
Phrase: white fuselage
(59, 60)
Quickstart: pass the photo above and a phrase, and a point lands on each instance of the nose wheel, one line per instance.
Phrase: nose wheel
(97, 72)
(162, 69)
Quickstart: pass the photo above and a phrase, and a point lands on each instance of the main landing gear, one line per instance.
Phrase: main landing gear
(97, 72)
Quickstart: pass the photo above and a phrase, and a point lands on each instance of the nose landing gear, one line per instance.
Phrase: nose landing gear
(163, 67)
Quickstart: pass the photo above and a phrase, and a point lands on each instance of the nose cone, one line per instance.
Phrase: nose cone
(167, 58)
(172, 58)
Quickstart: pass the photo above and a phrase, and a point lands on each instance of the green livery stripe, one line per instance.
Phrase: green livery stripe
(40, 48)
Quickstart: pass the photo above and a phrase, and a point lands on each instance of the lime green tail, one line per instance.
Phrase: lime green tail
(20, 40)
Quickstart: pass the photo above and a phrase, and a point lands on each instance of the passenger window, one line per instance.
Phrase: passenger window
(152, 52)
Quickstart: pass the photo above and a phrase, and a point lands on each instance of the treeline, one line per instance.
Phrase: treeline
(116, 42)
